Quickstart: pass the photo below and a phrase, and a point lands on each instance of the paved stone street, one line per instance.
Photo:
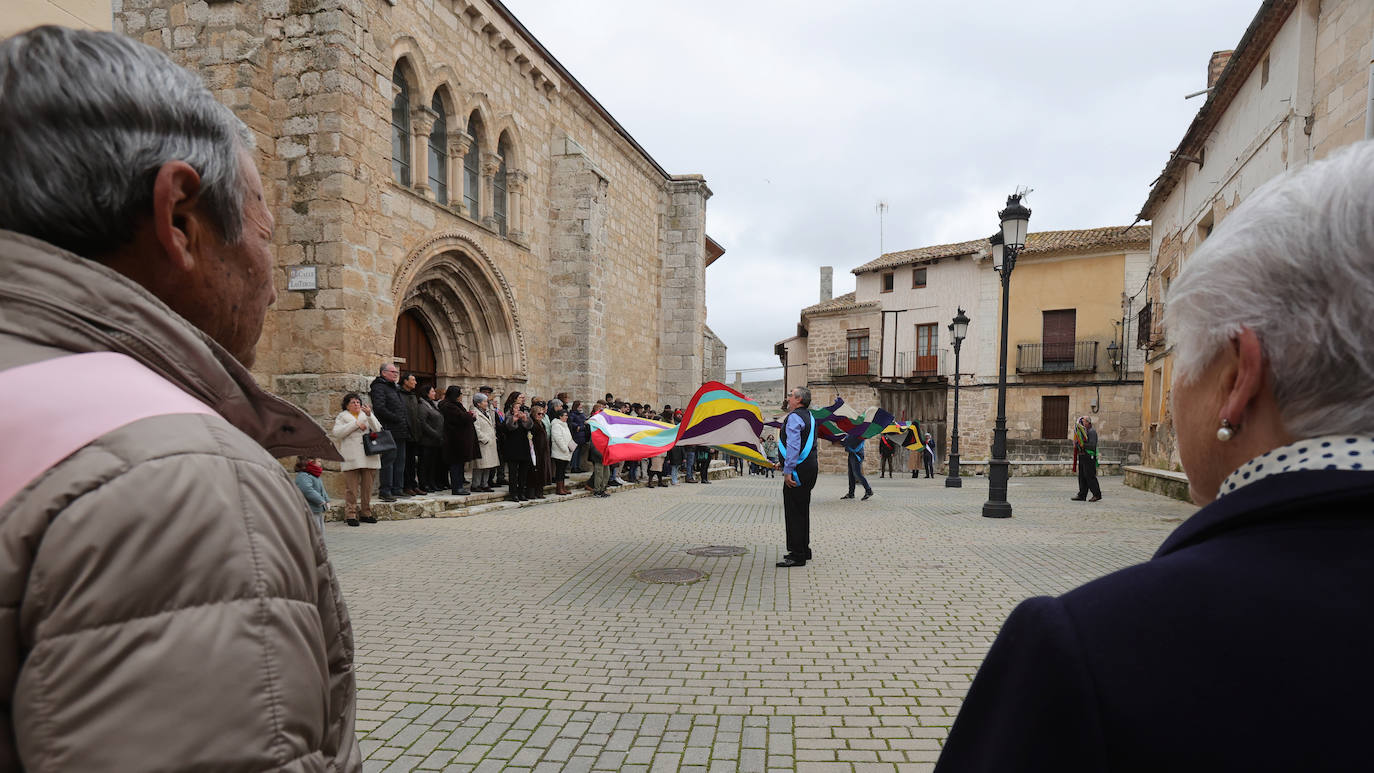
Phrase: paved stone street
(520, 639)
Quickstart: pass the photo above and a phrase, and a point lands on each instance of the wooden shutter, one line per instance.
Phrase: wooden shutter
(927, 356)
(1058, 337)
(1054, 418)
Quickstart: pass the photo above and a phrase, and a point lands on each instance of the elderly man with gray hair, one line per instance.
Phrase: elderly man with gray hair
(1244, 643)
(166, 601)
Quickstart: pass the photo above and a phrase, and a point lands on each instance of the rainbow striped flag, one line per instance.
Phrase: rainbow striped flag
(840, 423)
(717, 416)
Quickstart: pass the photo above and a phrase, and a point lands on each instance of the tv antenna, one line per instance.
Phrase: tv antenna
(881, 209)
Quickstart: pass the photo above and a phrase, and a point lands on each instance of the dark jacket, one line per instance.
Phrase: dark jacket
(1243, 645)
(166, 601)
(515, 443)
(431, 423)
(390, 408)
(577, 425)
(414, 422)
(460, 436)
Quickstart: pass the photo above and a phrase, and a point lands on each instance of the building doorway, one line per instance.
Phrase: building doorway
(414, 348)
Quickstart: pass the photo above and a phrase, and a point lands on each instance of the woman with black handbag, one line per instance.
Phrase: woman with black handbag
(352, 423)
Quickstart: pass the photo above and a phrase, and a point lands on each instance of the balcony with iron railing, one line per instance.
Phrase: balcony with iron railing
(1068, 357)
(841, 364)
(914, 365)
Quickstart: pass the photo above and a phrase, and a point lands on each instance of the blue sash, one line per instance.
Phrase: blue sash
(806, 446)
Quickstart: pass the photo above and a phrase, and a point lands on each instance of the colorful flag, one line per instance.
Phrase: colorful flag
(717, 416)
(840, 423)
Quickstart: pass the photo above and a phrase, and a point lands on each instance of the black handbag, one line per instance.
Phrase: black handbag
(378, 442)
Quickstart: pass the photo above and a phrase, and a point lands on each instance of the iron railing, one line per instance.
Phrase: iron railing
(1069, 357)
(841, 364)
(1149, 328)
(913, 365)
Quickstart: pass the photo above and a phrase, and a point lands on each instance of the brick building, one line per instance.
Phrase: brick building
(448, 194)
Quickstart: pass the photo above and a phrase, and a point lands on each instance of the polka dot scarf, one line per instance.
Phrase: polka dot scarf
(1331, 452)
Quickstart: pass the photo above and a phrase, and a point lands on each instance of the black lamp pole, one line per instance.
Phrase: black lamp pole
(959, 328)
(1014, 218)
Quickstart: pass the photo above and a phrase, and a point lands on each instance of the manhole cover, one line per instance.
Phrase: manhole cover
(718, 551)
(672, 576)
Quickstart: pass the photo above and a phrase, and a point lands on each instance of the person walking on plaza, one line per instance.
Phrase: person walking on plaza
(487, 461)
(855, 456)
(799, 471)
(358, 466)
(886, 450)
(390, 408)
(1171, 665)
(460, 439)
(168, 599)
(1085, 460)
(308, 472)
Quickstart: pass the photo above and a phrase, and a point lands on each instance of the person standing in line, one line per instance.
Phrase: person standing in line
(487, 460)
(886, 449)
(601, 473)
(1085, 460)
(577, 425)
(460, 439)
(561, 442)
(411, 398)
(430, 469)
(541, 461)
(358, 467)
(799, 471)
(168, 602)
(855, 456)
(519, 451)
(391, 411)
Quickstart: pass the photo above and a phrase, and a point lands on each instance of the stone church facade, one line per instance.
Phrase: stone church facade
(447, 193)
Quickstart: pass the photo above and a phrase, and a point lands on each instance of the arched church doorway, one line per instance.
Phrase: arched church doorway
(413, 346)
(458, 320)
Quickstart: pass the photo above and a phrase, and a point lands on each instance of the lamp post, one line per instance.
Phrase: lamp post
(1006, 245)
(959, 329)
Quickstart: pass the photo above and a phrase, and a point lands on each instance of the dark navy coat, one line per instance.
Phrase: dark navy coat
(1245, 644)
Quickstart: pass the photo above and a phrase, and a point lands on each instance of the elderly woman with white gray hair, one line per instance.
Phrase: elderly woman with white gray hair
(487, 461)
(1244, 643)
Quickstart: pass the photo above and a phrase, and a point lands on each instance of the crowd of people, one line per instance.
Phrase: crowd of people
(460, 446)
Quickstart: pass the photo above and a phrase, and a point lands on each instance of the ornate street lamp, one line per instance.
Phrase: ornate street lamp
(958, 328)
(1015, 220)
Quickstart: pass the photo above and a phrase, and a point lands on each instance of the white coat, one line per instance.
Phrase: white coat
(348, 438)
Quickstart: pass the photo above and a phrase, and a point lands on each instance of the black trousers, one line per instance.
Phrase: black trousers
(1087, 476)
(885, 465)
(517, 477)
(930, 464)
(796, 509)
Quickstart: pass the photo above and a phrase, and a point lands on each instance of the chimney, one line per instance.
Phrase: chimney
(827, 283)
(1216, 65)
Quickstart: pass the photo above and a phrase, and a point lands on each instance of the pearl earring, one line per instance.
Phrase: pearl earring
(1226, 432)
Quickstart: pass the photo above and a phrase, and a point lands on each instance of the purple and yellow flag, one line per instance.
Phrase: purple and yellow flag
(717, 416)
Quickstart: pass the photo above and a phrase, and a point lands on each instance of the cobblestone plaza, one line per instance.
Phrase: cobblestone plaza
(521, 639)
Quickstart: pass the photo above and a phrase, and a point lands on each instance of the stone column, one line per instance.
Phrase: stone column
(491, 162)
(682, 319)
(421, 124)
(515, 187)
(458, 144)
(577, 273)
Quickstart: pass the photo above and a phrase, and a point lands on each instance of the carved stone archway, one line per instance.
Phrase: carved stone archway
(468, 309)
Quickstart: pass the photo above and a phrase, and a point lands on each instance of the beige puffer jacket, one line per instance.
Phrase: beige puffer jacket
(165, 601)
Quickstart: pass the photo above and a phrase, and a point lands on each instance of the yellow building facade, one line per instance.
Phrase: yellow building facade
(23, 14)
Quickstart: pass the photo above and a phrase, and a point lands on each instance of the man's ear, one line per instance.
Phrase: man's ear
(178, 223)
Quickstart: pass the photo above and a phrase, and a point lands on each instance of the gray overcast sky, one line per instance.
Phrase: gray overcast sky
(802, 115)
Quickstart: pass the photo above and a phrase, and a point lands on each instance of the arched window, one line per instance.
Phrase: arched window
(472, 172)
(498, 198)
(400, 127)
(438, 153)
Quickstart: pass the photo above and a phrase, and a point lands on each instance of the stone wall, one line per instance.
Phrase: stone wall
(712, 360)
(1116, 420)
(533, 306)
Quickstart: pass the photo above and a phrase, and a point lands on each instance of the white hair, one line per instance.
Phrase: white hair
(86, 120)
(1294, 263)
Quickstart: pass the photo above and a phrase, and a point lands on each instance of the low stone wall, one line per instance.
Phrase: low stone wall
(1166, 482)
